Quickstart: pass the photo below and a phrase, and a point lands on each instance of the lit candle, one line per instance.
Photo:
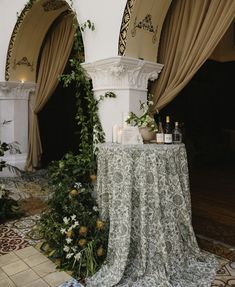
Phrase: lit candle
(119, 138)
(115, 134)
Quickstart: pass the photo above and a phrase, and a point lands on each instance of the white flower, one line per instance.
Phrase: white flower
(77, 185)
(74, 248)
(76, 223)
(150, 103)
(63, 230)
(66, 248)
(78, 256)
(95, 208)
(66, 220)
(69, 255)
(70, 228)
(73, 217)
(68, 240)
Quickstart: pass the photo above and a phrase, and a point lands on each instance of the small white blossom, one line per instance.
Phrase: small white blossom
(74, 248)
(150, 103)
(63, 230)
(66, 248)
(77, 185)
(76, 223)
(68, 240)
(66, 220)
(78, 256)
(70, 228)
(95, 208)
(69, 255)
(73, 217)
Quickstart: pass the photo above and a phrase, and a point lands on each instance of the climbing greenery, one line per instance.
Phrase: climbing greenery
(74, 234)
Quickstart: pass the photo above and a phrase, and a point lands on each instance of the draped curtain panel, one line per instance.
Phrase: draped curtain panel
(54, 57)
(191, 32)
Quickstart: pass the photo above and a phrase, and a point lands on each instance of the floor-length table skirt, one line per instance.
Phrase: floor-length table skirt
(143, 191)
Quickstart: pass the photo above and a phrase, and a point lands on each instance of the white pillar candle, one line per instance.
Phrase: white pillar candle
(115, 134)
(119, 140)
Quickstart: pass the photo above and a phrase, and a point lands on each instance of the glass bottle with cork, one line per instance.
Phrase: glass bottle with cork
(167, 131)
(160, 131)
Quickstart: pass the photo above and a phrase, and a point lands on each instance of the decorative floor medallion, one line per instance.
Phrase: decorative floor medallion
(10, 240)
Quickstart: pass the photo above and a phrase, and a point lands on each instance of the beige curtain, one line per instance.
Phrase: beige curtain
(192, 30)
(54, 57)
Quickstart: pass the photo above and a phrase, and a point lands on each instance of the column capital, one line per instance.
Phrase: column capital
(122, 73)
(16, 90)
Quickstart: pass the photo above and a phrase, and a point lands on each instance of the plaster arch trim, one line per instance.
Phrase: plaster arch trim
(27, 37)
(141, 28)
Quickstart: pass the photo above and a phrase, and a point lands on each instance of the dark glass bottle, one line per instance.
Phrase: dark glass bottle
(160, 131)
(176, 134)
(168, 131)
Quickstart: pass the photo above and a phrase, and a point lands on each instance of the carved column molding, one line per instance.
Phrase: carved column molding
(14, 105)
(16, 90)
(122, 73)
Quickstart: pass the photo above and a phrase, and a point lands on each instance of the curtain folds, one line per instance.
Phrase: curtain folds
(54, 57)
(191, 32)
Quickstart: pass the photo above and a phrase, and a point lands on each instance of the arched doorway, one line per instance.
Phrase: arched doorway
(206, 109)
(35, 23)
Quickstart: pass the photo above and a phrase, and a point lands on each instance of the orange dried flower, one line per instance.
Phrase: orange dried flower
(100, 224)
(82, 242)
(100, 251)
(69, 233)
(73, 192)
(83, 231)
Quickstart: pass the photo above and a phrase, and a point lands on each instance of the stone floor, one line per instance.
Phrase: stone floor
(28, 267)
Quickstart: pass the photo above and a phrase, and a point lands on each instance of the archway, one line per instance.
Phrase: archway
(206, 107)
(141, 28)
(27, 37)
(23, 60)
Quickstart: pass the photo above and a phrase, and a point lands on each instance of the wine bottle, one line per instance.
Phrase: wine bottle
(176, 134)
(168, 131)
(160, 132)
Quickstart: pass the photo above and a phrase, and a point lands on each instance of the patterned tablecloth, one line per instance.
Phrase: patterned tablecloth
(143, 190)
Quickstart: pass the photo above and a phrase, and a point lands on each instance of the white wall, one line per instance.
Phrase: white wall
(8, 16)
(107, 18)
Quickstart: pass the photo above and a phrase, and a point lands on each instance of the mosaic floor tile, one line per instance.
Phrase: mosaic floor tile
(71, 283)
(10, 240)
(27, 228)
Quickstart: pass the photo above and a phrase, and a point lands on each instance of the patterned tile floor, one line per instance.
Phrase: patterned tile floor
(21, 260)
(23, 265)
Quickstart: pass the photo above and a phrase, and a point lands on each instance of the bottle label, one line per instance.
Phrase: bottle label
(160, 138)
(168, 138)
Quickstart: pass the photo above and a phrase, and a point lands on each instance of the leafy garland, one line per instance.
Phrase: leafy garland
(74, 233)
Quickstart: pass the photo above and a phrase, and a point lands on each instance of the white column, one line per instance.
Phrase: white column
(128, 79)
(14, 99)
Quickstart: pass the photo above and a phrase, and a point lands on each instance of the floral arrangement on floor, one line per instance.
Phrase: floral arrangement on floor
(145, 120)
(74, 233)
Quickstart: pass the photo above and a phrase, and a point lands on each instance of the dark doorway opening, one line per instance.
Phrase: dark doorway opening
(206, 107)
(58, 128)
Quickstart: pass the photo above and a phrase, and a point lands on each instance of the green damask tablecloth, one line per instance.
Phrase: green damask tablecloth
(143, 190)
